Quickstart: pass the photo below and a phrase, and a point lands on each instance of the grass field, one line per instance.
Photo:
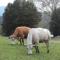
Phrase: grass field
(18, 52)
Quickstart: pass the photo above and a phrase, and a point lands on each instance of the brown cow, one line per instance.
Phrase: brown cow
(20, 33)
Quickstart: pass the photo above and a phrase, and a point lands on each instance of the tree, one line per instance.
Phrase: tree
(16, 15)
(49, 5)
(55, 22)
(7, 23)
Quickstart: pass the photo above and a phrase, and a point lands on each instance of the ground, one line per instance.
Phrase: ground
(19, 52)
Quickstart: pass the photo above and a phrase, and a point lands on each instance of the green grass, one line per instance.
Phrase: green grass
(18, 52)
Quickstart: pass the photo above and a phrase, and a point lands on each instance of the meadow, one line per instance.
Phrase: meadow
(19, 52)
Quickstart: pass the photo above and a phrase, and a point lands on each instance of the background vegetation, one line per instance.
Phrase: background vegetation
(55, 22)
(18, 14)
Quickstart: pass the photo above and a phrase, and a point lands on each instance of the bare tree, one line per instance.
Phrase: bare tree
(49, 4)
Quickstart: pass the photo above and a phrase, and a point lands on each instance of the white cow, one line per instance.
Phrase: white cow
(36, 35)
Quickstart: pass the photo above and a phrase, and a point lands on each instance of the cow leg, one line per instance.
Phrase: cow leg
(36, 48)
(47, 44)
(22, 37)
(22, 41)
